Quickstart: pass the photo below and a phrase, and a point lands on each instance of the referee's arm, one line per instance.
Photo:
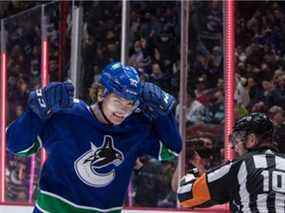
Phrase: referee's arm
(209, 189)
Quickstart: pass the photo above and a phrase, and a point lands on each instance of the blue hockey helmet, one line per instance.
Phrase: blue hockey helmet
(123, 80)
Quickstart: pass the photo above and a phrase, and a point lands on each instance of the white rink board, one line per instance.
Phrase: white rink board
(21, 209)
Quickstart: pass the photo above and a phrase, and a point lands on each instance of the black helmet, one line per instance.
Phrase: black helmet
(257, 123)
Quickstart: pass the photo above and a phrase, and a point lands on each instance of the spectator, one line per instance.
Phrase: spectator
(277, 116)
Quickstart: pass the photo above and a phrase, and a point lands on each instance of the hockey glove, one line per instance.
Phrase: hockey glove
(155, 102)
(48, 100)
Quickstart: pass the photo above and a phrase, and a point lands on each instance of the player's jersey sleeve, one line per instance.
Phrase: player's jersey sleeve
(164, 140)
(24, 134)
(214, 186)
(28, 133)
(166, 130)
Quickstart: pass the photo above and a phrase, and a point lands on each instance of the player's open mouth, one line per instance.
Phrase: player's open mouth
(119, 116)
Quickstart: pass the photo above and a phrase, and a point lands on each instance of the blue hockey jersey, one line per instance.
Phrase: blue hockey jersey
(89, 164)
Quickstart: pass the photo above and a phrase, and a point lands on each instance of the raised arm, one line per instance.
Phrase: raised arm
(158, 106)
(24, 134)
(213, 187)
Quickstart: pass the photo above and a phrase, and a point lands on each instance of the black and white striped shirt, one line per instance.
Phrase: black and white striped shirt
(254, 183)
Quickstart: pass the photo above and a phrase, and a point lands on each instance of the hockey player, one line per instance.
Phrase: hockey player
(255, 182)
(92, 149)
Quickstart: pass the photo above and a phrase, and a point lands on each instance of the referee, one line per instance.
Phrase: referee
(255, 182)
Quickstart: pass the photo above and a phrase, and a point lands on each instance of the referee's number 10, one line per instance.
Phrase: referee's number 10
(277, 174)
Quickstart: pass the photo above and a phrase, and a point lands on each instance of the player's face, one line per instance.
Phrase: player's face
(117, 109)
(238, 140)
(239, 148)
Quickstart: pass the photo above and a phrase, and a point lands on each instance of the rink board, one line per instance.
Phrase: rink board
(28, 209)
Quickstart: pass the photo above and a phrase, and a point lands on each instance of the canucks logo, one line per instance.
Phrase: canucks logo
(96, 167)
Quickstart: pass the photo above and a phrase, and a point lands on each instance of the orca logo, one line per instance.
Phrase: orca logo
(87, 165)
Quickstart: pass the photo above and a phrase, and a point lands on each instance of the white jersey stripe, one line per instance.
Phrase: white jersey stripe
(261, 203)
(217, 174)
(260, 161)
(185, 188)
(280, 163)
(244, 195)
(279, 203)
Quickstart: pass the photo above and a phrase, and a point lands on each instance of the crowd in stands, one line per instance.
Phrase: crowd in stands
(23, 46)
(101, 42)
(23, 54)
(10, 8)
(260, 62)
(154, 46)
